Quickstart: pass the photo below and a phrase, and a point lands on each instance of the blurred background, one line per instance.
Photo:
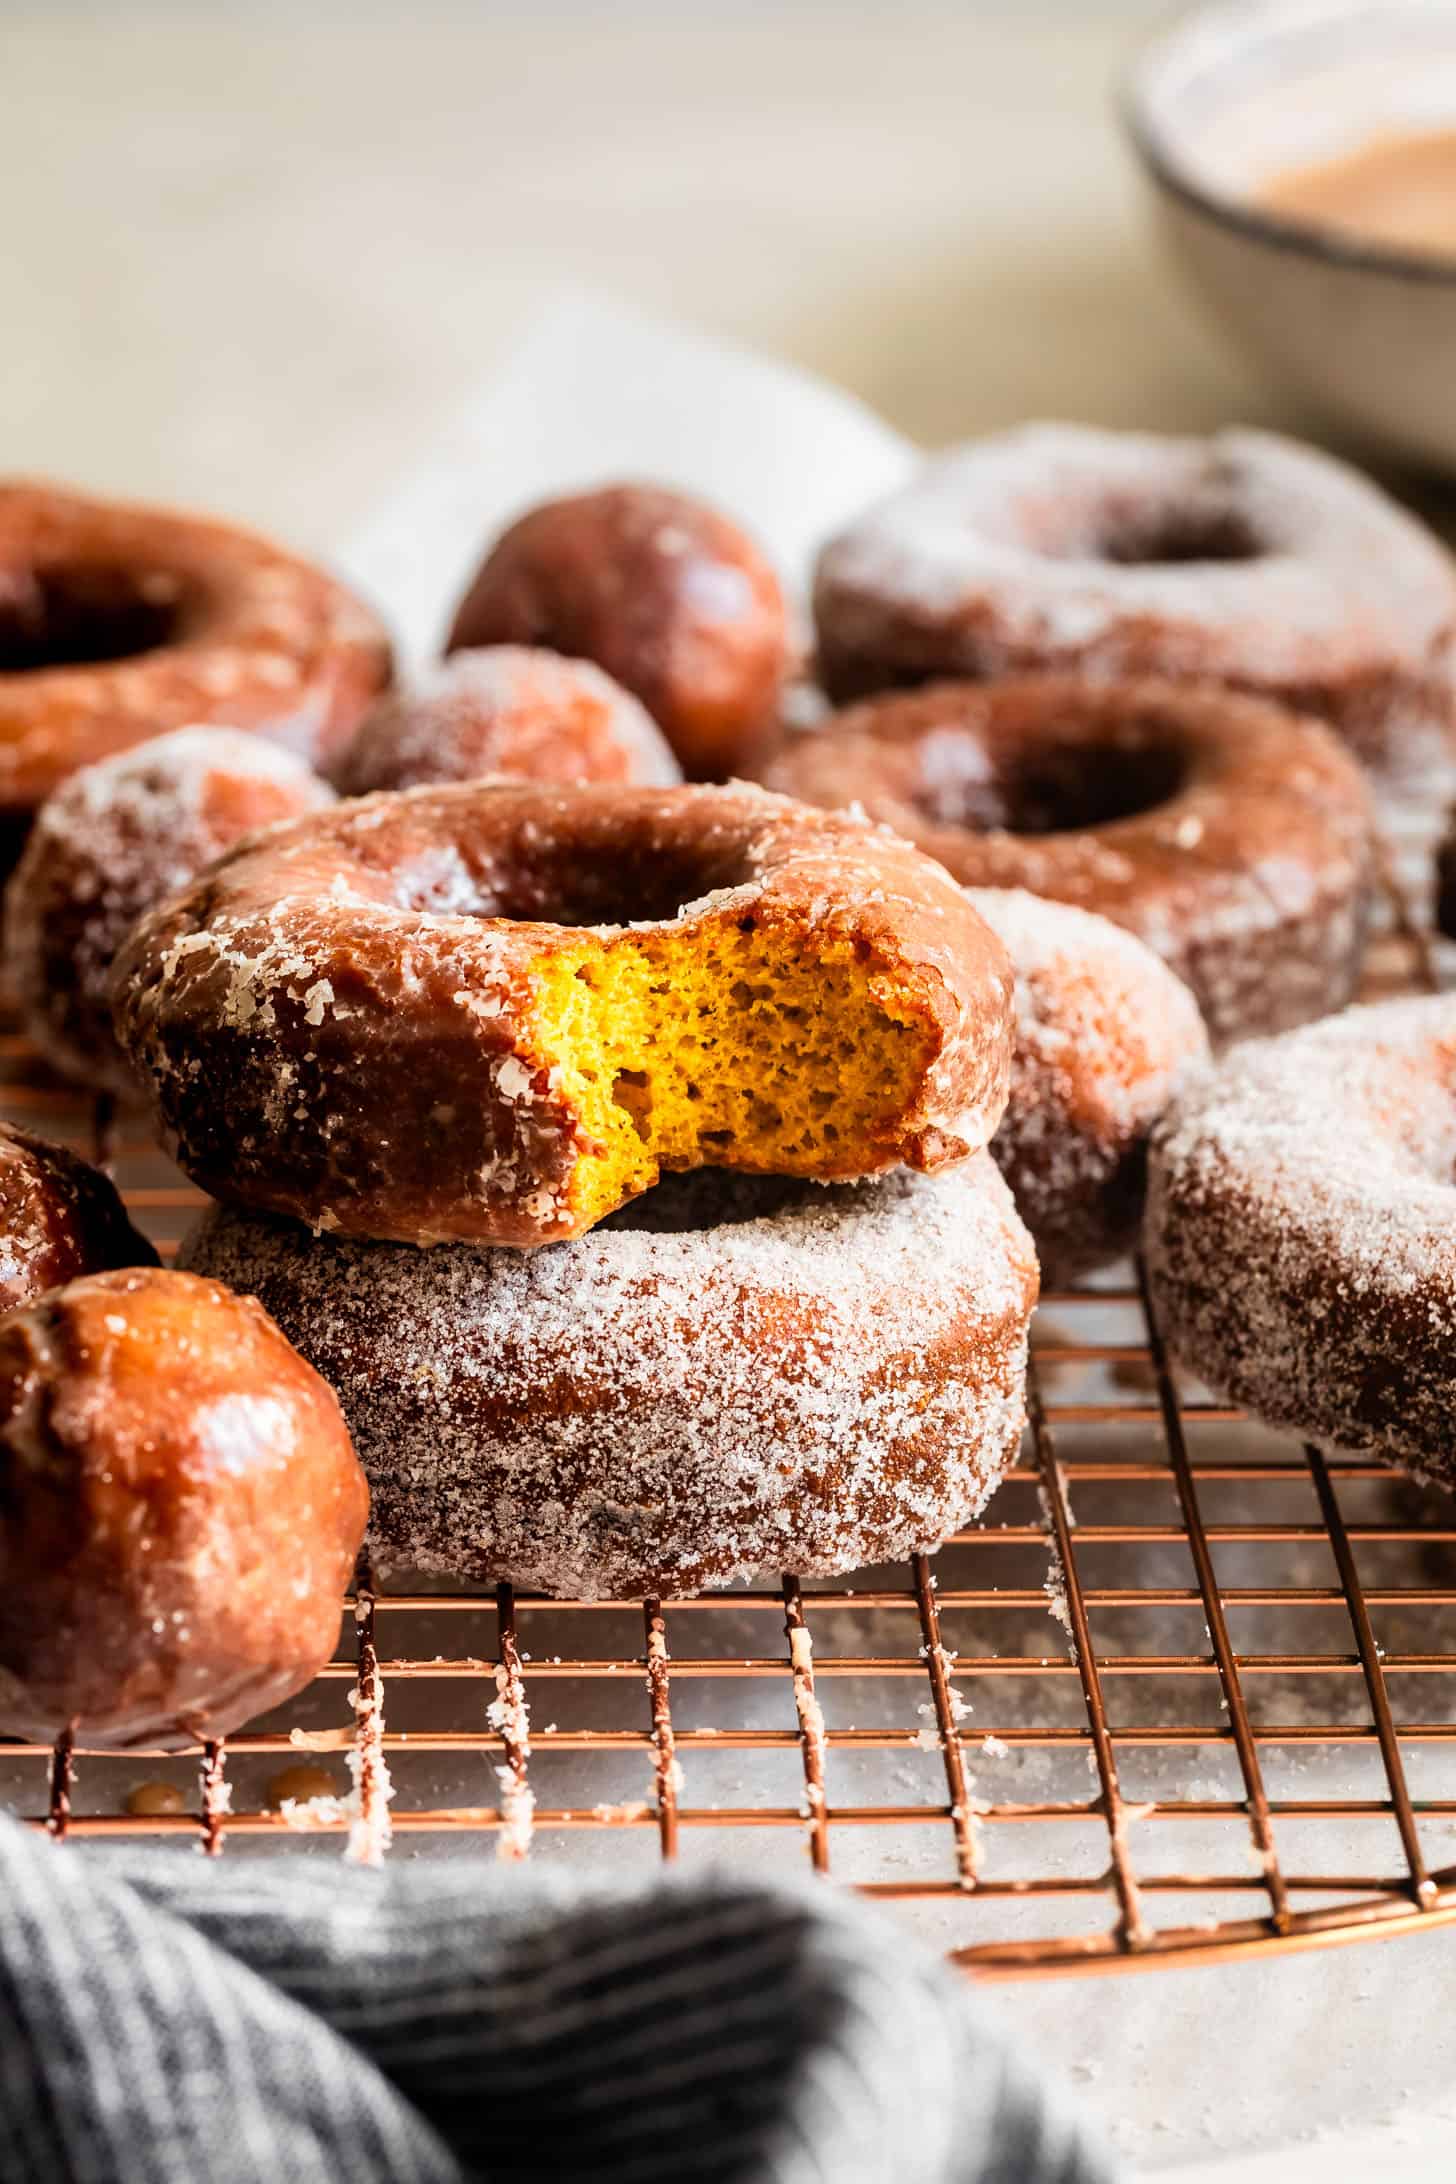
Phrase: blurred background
(254, 254)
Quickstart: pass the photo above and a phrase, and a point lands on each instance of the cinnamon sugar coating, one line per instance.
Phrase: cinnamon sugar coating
(1234, 838)
(108, 845)
(733, 1374)
(1104, 1034)
(1301, 1231)
(1247, 559)
(119, 622)
(673, 600)
(493, 1012)
(180, 1511)
(512, 710)
(59, 1217)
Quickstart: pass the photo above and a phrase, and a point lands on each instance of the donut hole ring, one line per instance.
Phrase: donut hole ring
(735, 1374)
(111, 842)
(494, 1012)
(83, 614)
(119, 622)
(1245, 559)
(1233, 837)
(1301, 1231)
(507, 709)
(1048, 787)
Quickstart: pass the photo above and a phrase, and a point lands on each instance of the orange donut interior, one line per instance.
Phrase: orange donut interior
(728, 1044)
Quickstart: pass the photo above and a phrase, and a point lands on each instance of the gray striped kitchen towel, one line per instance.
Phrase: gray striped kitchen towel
(166, 2020)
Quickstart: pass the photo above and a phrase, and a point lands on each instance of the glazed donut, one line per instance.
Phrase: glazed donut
(1104, 1032)
(118, 622)
(180, 1511)
(59, 1217)
(492, 1012)
(733, 1374)
(672, 599)
(111, 842)
(1301, 1231)
(507, 709)
(1233, 838)
(1244, 559)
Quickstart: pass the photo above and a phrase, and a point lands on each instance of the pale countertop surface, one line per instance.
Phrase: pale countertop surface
(254, 257)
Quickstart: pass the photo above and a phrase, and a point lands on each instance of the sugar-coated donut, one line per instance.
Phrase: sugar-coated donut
(1301, 1230)
(59, 1217)
(1234, 838)
(118, 622)
(108, 845)
(180, 1511)
(733, 1374)
(513, 710)
(491, 1013)
(1246, 559)
(1104, 1033)
(673, 600)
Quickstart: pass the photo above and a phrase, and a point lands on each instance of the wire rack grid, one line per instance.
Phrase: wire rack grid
(1187, 1690)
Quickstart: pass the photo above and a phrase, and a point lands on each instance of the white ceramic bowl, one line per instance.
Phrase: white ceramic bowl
(1232, 94)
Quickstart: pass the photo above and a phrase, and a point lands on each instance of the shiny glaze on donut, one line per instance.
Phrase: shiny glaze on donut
(118, 622)
(59, 1217)
(405, 1018)
(180, 1511)
(673, 600)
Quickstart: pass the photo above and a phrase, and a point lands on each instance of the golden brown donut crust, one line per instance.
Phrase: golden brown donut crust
(59, 1218)
(118, 622)
(1233, 837)
(673, 600)
(180, 1511)
(348, 1021)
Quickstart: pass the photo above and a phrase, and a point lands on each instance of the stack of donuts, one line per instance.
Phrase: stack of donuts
(642, 1125)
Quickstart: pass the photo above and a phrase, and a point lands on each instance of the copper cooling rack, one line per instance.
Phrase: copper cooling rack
(1187, 1691)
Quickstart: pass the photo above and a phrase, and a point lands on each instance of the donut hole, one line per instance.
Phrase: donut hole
(1164, 536)
(87, 614)
(1187, 519)
(562, 883)
(1045, 788)
(725, 1043)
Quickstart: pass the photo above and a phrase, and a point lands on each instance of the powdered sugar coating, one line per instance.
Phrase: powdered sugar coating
(1247, 558)
(1235, 838)
(1103, 1034)
(1301, 1230)
(507, 709)
(110, 844)
(769, 1375)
